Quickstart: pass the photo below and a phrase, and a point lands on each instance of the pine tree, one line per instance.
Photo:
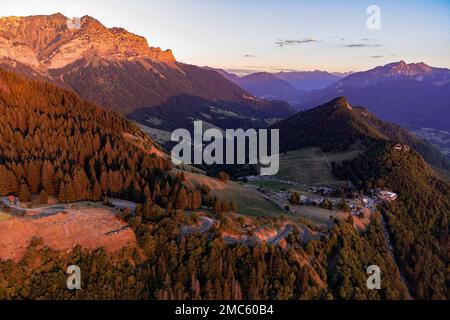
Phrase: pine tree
(196, 200)
(34, 177)
(8, 183)
(24, 193)
(343, 205)
(43, 198)
(48, 178)
(62, 193)
(96, 192)
(217, 206)
(182, 200)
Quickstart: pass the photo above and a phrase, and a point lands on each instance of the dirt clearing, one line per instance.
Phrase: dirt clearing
(91, 228)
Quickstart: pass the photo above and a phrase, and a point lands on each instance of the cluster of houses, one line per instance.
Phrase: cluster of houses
(325, 191)
(357, 211)
(385, 195)
(12, 200)
(267, 178)
(402, 147)
(311, 201)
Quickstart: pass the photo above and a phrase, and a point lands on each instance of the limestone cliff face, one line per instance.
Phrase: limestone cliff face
(52, 42)
(118, 69)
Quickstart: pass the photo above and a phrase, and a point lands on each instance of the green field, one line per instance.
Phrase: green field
(305, 167)
(312, 167)
(350, 154)
(160, 136)
(272, 184)
(317, 215)
(248, 201)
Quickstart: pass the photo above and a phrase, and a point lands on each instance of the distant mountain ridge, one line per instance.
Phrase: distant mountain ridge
(267, 86)
(287, 86)
(118, 69)
(309, 80)
(413, 95)
(392, 159)
(336, 125)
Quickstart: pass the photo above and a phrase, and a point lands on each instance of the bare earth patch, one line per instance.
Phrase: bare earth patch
(91, 228)
(144, 145)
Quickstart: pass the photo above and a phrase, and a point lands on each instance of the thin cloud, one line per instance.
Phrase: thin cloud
(376, 57)
(241, 71)
(361, 45)
(283, 43)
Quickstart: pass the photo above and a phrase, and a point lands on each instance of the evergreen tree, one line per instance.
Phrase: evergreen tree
(43, 198)
(24, 193)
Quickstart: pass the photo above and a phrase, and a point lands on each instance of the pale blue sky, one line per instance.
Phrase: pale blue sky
(243, 34)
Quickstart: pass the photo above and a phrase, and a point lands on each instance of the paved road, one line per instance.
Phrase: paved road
(391, 253)
(275, 240)
(282, 235)
(17, 206)
(123, 204)
(207, 223)
(50, 210)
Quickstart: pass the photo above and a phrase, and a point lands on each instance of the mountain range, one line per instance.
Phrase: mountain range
(288, 86)
(117, 69)
(336, 125)
(65, 134)
(413, 95)
(268, 86)
(310, 80)
(390, 159)
(55, 141)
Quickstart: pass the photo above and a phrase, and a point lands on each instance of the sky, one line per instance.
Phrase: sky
(273, 35)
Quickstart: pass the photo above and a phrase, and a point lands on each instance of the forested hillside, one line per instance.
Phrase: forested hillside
(418, 221)
(204, 267)
(53, 141)
(120, 71)
(336, 125)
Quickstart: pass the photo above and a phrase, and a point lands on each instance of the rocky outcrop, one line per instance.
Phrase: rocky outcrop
(53, 42)
(119, 70)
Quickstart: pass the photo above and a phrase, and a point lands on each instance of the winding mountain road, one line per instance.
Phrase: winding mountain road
(282, 235)
(206, 224)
